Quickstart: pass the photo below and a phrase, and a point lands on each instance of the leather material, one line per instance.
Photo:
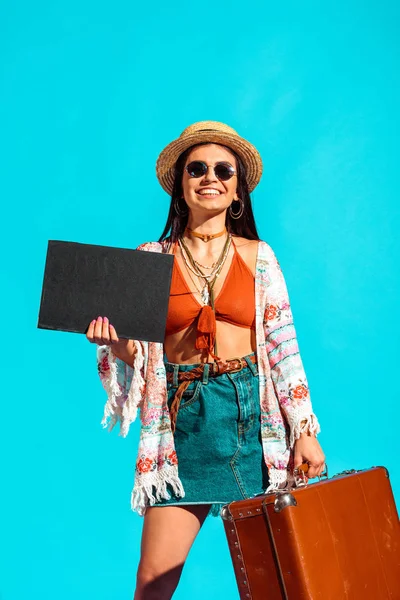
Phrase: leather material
(216, 368)
(341, 541)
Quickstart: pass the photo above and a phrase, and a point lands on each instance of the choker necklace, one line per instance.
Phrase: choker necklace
(206, 237)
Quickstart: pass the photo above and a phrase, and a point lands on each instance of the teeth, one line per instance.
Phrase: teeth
(208, 192)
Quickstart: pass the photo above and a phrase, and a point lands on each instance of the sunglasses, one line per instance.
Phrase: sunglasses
(223, 170)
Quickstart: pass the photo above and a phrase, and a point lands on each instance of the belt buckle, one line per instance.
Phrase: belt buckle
(240, 361)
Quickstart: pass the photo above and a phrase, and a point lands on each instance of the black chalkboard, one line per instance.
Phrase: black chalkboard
(83, 281)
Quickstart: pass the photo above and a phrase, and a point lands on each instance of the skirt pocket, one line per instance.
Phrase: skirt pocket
(190, 411)
(189, 396)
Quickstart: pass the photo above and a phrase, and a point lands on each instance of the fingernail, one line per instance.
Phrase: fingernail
(111, 325)
(94, 321)
(105, 318)
(99, 318)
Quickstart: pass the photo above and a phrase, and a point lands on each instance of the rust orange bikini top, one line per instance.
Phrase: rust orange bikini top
(234, 304)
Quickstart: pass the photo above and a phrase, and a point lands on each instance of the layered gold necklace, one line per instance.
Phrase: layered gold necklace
(207, 291)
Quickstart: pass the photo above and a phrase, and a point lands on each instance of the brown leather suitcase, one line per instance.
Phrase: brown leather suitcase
(337, 539)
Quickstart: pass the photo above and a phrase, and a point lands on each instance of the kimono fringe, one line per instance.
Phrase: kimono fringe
(154, 488)
(134, 399)
(277, 477)
(304, 423)
(113, 411)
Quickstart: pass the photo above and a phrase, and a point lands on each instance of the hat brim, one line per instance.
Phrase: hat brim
(248, 153)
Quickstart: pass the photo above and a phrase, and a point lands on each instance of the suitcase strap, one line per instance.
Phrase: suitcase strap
(275, 553)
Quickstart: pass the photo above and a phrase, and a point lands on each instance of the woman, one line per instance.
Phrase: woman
(214, 428)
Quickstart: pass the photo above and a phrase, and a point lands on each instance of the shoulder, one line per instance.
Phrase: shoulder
(244, 243)
(248, 250)
(254, 249)
(268, 268)
(266, 253)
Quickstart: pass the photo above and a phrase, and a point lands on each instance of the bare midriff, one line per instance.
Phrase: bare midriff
(232, 342)
(236, 303)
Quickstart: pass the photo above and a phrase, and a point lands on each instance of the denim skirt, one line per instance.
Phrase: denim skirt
(218, 437)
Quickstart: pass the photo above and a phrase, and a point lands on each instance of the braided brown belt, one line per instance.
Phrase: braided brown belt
(215, 368)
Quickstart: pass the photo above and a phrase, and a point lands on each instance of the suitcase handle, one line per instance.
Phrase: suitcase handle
(300, 478)
(284, 496)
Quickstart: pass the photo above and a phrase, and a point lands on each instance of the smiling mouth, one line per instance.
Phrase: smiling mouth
(209, 192)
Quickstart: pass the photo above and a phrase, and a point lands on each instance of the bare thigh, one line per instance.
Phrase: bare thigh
(168, 534)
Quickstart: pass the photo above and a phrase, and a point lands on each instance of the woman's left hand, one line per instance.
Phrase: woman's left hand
(307, 449)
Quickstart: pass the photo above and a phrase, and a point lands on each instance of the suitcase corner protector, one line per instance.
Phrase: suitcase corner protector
(382, 467)
(226, 513)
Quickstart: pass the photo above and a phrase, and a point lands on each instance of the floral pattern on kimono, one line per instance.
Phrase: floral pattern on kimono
(286, 409)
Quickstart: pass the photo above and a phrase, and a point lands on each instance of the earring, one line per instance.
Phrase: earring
(178, 210)
(241, 209)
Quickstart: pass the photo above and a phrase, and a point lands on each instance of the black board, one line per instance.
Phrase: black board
(84, 281)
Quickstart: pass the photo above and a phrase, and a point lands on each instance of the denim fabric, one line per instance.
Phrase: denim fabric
(218, 437)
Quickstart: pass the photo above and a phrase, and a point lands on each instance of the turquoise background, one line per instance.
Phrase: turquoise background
(90, 92)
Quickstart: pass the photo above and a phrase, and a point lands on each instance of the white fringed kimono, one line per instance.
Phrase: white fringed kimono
(286, 409)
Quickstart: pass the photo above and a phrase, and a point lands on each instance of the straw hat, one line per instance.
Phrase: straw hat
(213, 132)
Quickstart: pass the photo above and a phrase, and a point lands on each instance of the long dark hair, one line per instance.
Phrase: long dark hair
(245, 226)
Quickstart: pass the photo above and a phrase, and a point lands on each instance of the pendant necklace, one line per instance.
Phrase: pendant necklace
(209, 280)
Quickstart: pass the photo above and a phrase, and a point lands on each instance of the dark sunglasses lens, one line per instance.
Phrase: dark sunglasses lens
(224, 171)
(196, 168)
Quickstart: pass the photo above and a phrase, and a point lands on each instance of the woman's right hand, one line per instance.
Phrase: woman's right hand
(101, 332)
